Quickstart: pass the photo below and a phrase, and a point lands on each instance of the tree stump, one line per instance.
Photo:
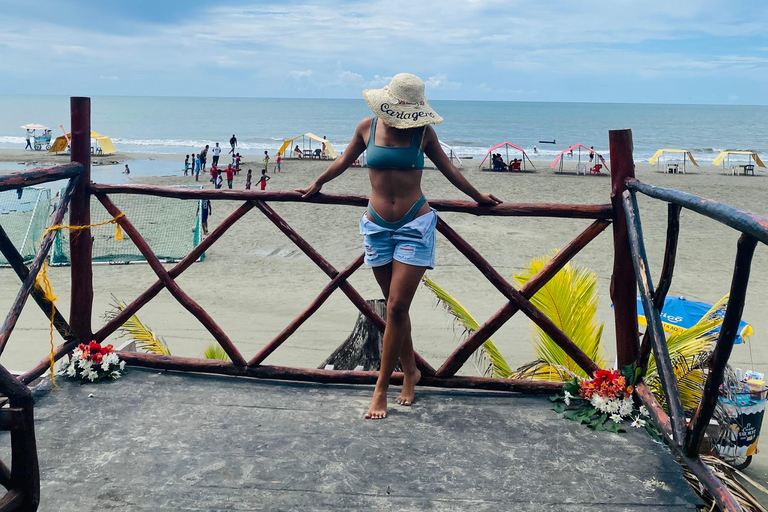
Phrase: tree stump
(363, 346)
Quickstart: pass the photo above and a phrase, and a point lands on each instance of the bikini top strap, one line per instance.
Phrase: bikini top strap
(373, 131)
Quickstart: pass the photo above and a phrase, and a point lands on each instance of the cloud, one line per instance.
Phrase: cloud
(297, 75)
(440, 81)
(103, 77)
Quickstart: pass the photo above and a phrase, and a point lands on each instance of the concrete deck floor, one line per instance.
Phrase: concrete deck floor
(165, 441)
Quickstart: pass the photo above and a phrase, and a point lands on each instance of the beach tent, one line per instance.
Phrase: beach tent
(311, 136)
(576, 146)
(655, 158)
(680, 314)
(451, 153)
(721, 158)
(103, 142)
(507, 145)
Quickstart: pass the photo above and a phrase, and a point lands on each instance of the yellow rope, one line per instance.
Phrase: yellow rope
(44, 283)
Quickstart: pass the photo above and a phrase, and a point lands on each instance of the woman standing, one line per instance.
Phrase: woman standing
(399, 225)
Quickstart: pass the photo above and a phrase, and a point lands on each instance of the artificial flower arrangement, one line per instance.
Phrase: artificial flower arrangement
(605, 402)
(92, 362)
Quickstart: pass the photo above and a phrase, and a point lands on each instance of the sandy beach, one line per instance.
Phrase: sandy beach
(254, 281)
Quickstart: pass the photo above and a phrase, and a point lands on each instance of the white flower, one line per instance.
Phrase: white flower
(644, 410)
(111, 358)
(115, 374)
(616, 418)
(122, 365)
(72, 370)
(85, 364)
(599, 402)
(568, 397)
(637, 423)
(77, 354)
(626, 407)
(90, 374)
(613, 406)
(104, 365)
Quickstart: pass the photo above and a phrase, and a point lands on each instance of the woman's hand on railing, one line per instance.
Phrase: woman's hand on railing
(313, 189)
(489, 200)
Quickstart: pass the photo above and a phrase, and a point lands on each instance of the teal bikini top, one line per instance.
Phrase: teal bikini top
(383, 157)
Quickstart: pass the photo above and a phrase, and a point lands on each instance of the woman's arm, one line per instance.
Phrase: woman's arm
(341, 164)
(435, 152)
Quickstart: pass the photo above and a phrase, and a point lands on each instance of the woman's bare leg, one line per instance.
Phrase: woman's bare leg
(404, 279)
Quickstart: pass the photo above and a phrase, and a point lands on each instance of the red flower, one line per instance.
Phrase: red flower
(94, 347)
(96, 358)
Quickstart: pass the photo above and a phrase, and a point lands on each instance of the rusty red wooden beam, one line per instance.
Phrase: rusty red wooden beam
(328, 376)
(175, 290)
(326, 267)
(463, 352)
(304, 315)
(521, 301)
(665, 280)
(708, 479)
(580, 211)
(725, 340)
(131, 309)
(658, 339)
(37, 263)
(28, 178)
(80, 241)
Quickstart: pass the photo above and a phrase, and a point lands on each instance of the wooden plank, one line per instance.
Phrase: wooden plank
(28, 178)
(151, 292)
(29, 281)
(623, 288)
(187, 364)
(309, 311)
(725, 340)
(80, 241)
(462, 353)
(25, 470)
(751, 224)
(658, 339)
(190, 305)
(12, 500)
(521, 301)
(580, 211)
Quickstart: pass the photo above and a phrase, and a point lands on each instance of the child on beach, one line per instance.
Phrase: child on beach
(277, 167)
(127, 170)
(264, 179)
(266, 160)
(197, 168)
(214, 174)
(237, 163)
(248, 180)
(219, 181)
(230, 175)
(186, 165)
(205, 210)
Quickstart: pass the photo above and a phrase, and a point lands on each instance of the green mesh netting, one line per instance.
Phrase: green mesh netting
(25, 219)
(171, 227)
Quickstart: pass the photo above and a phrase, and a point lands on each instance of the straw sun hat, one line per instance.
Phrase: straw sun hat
(402, 104)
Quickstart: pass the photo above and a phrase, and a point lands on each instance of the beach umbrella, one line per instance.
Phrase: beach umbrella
(34, 126)
(680, 314)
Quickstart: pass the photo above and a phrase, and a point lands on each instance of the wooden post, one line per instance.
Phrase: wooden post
(623, 284)
(80, 242)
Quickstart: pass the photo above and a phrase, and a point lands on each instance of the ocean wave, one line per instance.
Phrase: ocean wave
(13, 140)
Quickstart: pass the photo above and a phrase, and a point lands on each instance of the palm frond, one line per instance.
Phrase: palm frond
(570, 300)
(542, 370)
(214, 351)
(487, 359)
(727, 476)
(690, 373)
(134, 329)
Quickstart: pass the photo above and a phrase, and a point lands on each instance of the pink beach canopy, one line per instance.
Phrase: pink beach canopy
(525, 155)
(560, 156)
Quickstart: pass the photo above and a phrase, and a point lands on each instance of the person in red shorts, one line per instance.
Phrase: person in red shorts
(264, 178)
(230, 175)
(214, 174)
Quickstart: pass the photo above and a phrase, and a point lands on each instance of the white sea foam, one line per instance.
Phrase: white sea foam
(12, 140)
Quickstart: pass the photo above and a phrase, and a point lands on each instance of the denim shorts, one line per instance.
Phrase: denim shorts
(412, 244)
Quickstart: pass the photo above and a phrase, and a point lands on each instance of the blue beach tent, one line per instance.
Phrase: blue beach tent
(680, 314)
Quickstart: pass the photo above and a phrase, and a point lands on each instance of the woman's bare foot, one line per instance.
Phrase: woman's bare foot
(378, 408)
(409, 383)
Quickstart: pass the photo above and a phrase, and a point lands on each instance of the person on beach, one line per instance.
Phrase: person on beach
(214, 174)
(233, 143)
(216, 151)
(591, 153)
(219, 181)
(297, 152)
(29, 137)
(248, 180)
(205, 210)
(322, 154)
(264, 179)
(237, 163)
(535, 150)
(203, 157)
(277, 163)
(399, 225)
(186, 165)
(127, 170)
(230, 175)
(266, 159)
(197, 168)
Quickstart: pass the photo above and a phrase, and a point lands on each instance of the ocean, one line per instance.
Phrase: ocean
(184, 125)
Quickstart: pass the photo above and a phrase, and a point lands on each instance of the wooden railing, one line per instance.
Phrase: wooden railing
(627, 249)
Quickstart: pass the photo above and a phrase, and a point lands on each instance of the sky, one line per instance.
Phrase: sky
(617, 51)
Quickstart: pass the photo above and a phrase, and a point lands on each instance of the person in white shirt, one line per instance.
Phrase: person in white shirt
(216, 151)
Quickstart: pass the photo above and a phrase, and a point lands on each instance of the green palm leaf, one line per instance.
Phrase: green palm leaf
(214, 351)
(487, 359)
(570, 300)
(135, 329)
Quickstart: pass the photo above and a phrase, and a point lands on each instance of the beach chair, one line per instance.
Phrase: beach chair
(596, 169)
(317, 153)
(514, 166)
(581, 169)
(749, 169)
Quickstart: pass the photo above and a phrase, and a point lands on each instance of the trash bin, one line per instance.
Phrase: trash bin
(740, 417)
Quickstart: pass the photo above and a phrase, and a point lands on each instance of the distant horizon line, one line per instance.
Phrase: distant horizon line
(361, 99)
